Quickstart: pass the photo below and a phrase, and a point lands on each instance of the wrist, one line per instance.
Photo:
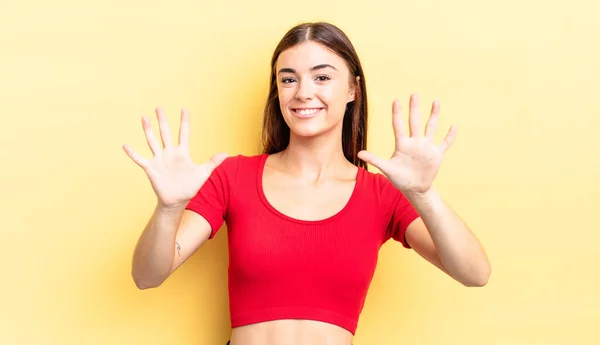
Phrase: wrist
(428, 197)
(171, 208)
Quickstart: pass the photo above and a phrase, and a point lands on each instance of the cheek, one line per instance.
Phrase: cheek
(285, 95)
(336, 96)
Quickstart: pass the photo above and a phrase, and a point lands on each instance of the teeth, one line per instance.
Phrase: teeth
(307, 111)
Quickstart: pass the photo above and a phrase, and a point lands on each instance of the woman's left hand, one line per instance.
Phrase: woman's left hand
(416, 159)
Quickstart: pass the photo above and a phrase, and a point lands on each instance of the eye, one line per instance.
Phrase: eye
(287, 80)
(323, 78)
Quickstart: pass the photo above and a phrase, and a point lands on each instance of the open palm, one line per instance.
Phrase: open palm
(175, 178)
(416, 159)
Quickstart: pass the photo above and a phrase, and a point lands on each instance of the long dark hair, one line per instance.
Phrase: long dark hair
(276, 133)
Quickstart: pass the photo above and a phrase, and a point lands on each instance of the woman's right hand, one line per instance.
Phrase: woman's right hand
(175, 178)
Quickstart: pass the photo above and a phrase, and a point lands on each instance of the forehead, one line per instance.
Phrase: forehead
(309, 54)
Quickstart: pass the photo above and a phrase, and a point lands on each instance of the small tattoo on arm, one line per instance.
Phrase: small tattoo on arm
(178, 248)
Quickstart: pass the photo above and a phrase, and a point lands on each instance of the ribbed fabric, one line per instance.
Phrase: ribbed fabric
(285, 268)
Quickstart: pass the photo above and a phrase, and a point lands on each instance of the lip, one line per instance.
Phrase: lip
(306, 116)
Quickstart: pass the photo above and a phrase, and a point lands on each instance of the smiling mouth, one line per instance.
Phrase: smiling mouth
(306, 112)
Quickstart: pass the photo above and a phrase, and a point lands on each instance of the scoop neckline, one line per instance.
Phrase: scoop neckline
(270, 207)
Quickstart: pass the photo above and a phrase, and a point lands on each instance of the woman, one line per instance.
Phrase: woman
(305, 218)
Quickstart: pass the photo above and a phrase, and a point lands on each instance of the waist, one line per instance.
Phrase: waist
(291, 332)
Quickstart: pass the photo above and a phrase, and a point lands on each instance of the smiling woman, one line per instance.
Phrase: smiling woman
(306, 219)
(313, 90)
(318, 59)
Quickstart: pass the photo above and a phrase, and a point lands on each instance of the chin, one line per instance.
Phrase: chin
(306, 131)
(312, 130)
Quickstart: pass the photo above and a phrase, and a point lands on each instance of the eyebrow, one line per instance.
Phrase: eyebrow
(317, 67)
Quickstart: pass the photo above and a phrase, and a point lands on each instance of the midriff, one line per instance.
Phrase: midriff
(291, 332)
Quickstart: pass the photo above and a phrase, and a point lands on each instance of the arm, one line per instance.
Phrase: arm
(173, 233)
(443, 239)
(171, 236)
(440, 236)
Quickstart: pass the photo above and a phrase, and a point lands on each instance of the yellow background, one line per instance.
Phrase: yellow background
(520, 79)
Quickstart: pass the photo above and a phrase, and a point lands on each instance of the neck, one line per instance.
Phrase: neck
(316, 157)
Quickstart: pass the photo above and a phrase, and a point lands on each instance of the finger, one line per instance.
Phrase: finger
(150, 137)
(216, 160)
(163, 125)
(397, 123)
(414, 116)
(373, 159)
(449, 139)
(136, 157)
(433, 120)
(184, 130)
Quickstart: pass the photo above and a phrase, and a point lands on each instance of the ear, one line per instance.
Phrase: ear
(353, 87)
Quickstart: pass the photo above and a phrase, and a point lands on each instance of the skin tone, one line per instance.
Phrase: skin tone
(314, 86)
(311, 179)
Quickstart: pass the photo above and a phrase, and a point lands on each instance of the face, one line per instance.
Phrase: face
(314, 85)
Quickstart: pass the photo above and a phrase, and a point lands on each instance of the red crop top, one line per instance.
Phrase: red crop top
(285, 268)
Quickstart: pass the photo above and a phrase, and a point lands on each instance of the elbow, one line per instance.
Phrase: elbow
(480, 282)
(480, 278)
(144, 283)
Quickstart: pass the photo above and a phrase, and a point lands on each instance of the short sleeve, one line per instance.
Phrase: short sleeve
(403, 214)
(212, 200)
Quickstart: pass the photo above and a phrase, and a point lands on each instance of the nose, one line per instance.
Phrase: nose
(305, 91)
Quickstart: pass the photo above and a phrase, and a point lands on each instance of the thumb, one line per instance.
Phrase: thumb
(216, 160)
(373, 159)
